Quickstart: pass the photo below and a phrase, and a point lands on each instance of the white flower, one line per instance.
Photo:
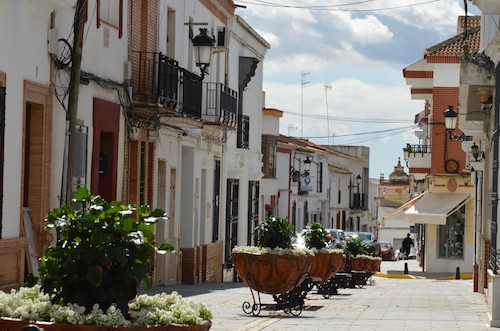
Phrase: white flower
(159, 309)
(277, 250)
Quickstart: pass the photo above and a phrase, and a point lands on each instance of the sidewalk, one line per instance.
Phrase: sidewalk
(387, 304)
(395, 269)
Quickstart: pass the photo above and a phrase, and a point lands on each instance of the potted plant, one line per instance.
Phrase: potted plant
(361, 260)
(327, 261)
(103, 251)
(272, 266)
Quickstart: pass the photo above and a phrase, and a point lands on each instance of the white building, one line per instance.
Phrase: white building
(150, 130)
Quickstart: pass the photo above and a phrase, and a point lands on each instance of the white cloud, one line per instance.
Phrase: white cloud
(362, 54)
(439, 16)
(362, 30)
(270, 37)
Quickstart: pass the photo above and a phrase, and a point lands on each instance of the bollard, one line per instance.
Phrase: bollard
(457, 273)
(406, 268)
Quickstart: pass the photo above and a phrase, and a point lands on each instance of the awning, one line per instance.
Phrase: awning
(434, 208)
(400, 210)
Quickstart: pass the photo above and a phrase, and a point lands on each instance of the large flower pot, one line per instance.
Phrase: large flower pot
(271, 273)
(376, 265)
(326, 265)
(360, 264)
(365, 264)
(13, 324)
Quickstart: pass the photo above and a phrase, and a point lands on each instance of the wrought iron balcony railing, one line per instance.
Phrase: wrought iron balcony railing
(158, 81)
(221, 104)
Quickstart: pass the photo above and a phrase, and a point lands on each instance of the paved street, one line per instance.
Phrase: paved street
(389, 304)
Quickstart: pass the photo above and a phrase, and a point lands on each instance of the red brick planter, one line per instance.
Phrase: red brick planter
(12, 324)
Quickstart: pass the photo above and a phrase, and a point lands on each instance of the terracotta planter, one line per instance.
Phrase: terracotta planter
(326, 265)
(363, 264)
(360, 264)
(271, 273)
(12, 324)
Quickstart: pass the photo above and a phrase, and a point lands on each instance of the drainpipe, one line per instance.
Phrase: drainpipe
(478, 178)
(494, 191)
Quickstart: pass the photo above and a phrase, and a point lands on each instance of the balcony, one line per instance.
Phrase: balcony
(419, 156)
(358, 202)
(221, 105)
(162, 89)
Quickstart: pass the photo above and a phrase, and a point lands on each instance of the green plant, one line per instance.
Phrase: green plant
(316, 236)
(356, 246)
(275, 232)
(103, 250)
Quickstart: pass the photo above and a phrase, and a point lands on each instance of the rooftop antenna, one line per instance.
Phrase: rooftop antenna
(327, 86)
(304, 82)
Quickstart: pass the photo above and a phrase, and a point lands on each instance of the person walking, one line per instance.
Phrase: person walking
(407, 244)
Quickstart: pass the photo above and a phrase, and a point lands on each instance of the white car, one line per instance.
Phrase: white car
(298, 241)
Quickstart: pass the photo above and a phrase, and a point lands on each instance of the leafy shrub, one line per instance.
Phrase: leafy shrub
(275, 232)
(103, 251)
(316, 236)
(356, 246)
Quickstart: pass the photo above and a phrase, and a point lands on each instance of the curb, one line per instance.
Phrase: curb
(400, 276)
(408, 276)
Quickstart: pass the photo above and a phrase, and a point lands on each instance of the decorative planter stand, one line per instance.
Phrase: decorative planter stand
(13, 324)
(324, 267)
(357, 272)
(282, 276)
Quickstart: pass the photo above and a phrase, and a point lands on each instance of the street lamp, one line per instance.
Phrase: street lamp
(476, 153)
(202, 44)
(450, 123)
(296, 174)
(307, 166)
(406, 153)
(381, 193)
(358, 181)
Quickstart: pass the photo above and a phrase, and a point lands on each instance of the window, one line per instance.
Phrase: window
(243, 136)
(319, 178)
(111, 12)
(269, 156)
(451, 236)
(232, 211)
(253, 210)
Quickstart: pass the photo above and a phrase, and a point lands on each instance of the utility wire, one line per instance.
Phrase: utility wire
(350, 119)
(338, 9)
(272, 4)
(402, 129)
(357, 142)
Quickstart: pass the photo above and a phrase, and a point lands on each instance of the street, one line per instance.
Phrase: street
(388, 304)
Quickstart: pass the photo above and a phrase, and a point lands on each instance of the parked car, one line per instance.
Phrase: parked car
(298, 241)
(338, 237)
(367, 237)
(349, 234)
(386, 251)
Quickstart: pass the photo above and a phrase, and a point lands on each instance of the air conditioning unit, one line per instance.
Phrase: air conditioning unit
(221, 36)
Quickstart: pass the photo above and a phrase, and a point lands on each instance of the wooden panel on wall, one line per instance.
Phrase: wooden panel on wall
(12, 260)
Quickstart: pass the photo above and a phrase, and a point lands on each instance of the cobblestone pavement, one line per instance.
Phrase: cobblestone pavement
(388, 304)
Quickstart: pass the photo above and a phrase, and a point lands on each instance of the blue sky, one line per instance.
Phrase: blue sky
(350, 55)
